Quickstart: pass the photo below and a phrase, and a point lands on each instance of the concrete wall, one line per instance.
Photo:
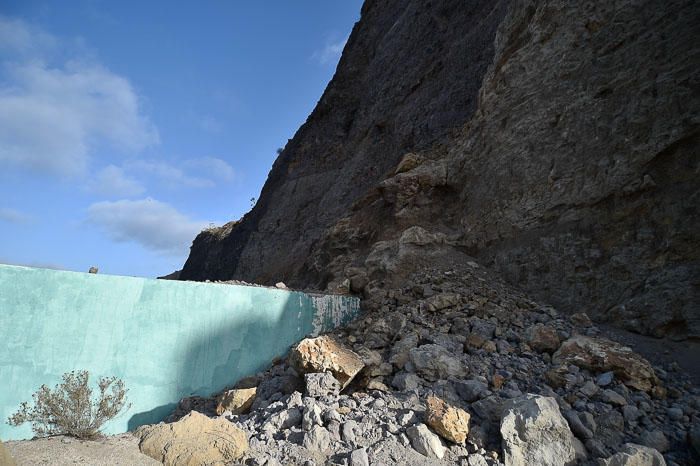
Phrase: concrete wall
(165, 339)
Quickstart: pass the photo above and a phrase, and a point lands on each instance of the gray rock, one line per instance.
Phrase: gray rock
(348, 430)
(589, 389)
(405, 381)
(596, 448)
(359, 457)
(654, 439)
(311, 417)
(577, 426)
(588, 421)
(433, 362)
(605, 379)
(320, 384)
(675, 414)
(282, 420)
(425, 442)
(635, 455)
(535, 433)
(471, 390)
(476, 459)
(581, 452)
(317, 439)
(612, 397)
(630, 413)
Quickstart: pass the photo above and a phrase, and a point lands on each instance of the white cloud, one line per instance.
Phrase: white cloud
(14, 216)
(212, 167)
(53, 116)
(202, 172)
(20, 38)
(170, 174)
(153, 224)
(111, 181)
(331, 52)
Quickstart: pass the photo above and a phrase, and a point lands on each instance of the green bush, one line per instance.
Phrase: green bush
(69, 409)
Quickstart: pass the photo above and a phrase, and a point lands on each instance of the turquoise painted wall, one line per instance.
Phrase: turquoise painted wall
(165, 339)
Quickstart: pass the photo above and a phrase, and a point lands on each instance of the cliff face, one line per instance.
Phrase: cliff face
(410, 72)
(553, 141)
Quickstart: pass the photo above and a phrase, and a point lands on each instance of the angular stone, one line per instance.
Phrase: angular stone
(425, 442)
(599, 354)
(194, 439)
(535, 433)
(434, 362)
(282, 420)
(543, 338)
(634, 455)
(319, 384)
(576, 426)
(404, 381)
(359, 457)
(323, 354)
(442, 301)
(471, 390)
(237, 401)
(447, 421)
(311, 417)
(318, 439)
(654, 439)
(613, 398)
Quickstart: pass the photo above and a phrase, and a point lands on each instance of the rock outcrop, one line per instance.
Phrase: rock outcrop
(553, 141)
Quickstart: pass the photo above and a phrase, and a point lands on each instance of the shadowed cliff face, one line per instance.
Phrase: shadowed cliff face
(410, 72)
(561, 150)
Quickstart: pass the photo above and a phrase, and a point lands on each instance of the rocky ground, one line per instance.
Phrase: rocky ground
(117, 450)
(456, 367)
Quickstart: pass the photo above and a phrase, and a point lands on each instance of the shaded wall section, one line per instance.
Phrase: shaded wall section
(165, 339)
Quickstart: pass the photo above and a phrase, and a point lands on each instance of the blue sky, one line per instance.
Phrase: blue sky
(126, 127)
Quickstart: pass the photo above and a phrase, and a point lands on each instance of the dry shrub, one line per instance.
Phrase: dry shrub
(69, 409)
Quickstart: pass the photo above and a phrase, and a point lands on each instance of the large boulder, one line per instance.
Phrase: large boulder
(601, 355)
(237, 401)
(635, 455)
(323, 354)
(449, 422)
(535, 433)
(194, 440)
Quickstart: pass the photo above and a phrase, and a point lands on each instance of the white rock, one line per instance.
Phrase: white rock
(359, 457)
(535, 433)
(635, 455)
(425, 442)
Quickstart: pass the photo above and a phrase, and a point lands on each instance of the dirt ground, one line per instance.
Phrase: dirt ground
(118, 450)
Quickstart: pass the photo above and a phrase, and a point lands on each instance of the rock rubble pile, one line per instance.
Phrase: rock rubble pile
(456, 367)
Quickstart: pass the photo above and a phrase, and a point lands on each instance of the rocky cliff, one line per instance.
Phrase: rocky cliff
(555, 142)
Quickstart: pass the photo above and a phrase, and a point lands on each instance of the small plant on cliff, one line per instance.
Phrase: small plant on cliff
(69, 409)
